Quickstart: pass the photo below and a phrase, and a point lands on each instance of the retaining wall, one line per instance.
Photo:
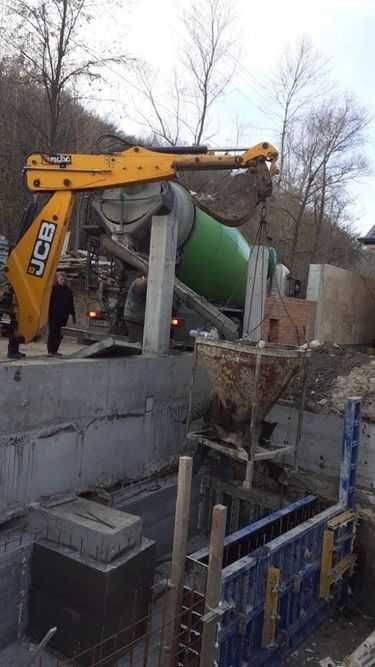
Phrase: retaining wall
(320, 450)
(346, 305)
(15, 573)
(71, 425)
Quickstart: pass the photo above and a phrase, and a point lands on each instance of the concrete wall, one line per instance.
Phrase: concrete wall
(70, 425)
(15, 573)
(320, 450)
(346, 305)
(319, 460)
(157, 507)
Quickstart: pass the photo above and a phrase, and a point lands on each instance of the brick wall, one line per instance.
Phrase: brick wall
(289, 322)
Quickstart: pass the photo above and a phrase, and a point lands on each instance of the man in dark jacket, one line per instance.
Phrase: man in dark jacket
(61, 306)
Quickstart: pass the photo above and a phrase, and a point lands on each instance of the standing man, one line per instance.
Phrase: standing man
(60, 307)
(134, 310)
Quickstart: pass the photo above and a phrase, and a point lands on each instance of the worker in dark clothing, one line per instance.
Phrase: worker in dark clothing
(134, 311)
(14, 348)
(10, 329)
(60, 307)
(135, 308)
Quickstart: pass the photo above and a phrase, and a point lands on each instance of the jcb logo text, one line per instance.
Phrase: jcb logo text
(42, 249)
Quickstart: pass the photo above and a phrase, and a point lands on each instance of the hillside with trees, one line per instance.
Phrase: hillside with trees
(319, 130)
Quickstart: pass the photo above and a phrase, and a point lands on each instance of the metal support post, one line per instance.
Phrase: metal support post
(160, 284)
(248, 481)
(348, 473)
(256, 292)
(176, 583)
(41, 646)
(213, 590)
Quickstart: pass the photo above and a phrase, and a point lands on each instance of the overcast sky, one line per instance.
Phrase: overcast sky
(342, 30)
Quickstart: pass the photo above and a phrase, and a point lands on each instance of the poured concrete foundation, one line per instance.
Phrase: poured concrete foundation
(86, 527)
(73, 425)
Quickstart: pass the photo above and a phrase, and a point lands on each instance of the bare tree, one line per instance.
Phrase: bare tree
(164, 122)
(328, 156)
(24, 115)
(54, 52)
(204, 73)
(300, 72)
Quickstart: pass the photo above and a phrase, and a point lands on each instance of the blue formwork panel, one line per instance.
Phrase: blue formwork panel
(297, 555)
(293, 540)
(244, 540)
(350, 448)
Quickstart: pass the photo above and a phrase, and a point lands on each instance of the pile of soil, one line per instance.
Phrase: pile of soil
(337, 373)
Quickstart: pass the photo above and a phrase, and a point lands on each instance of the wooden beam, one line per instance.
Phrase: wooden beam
(176, 582)
(213, 590)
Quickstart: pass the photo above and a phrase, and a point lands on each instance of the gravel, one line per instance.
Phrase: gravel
(337, 373)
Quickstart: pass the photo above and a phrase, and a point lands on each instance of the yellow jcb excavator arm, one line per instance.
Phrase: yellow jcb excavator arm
(33, 262)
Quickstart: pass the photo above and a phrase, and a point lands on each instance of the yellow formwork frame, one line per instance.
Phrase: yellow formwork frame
(329, 573)
(271, 606)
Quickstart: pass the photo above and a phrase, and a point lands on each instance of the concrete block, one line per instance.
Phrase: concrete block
(160, 284)
(93, 530)
(88, 600)
(256, 290)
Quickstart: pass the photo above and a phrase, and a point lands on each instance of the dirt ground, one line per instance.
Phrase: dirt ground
(327, 363)
(335, 639)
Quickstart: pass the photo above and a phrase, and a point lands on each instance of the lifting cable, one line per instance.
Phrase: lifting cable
(258, 247)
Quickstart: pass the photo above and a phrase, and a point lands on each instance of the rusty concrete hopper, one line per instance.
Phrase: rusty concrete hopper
(247, 380)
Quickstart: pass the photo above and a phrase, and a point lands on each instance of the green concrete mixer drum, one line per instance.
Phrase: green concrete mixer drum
(211, 258)
(214, 261)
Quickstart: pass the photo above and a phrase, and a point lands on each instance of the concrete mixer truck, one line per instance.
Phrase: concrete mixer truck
(212, 257)
(135, 184)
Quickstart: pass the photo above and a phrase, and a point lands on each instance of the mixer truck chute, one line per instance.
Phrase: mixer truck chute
(33, 261)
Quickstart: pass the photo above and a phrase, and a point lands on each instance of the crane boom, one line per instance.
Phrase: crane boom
(52, 173)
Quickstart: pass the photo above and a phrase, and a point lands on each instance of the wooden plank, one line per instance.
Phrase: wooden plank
(261, 453)
(341, 520)
(106, 346)
(213, 590)
(326, 564)
(181, 530)
(233, 453)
